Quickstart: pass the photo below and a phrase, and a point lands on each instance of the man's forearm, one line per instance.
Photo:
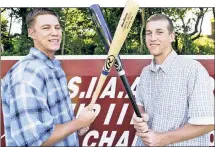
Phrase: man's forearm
(61, 131)
(186, 133)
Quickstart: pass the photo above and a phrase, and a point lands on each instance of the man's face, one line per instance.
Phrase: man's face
(158, 38)
(46, 33)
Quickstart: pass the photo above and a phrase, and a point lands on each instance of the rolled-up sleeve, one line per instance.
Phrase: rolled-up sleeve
(31, 121)
(201, 97)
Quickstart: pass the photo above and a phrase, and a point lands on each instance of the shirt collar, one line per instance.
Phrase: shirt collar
(165, 66)
(40, 55)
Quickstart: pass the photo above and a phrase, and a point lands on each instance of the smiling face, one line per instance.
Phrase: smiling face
(46, 34)
(158, 38)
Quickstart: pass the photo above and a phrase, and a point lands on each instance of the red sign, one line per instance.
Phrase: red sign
(113, 125)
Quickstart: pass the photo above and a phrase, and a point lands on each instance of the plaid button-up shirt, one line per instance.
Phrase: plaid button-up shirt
(35, 98)
(174, 93)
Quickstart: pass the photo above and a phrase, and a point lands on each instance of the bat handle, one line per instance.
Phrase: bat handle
(90, 106)
(93, 101)
(130, 94)
(101, 82)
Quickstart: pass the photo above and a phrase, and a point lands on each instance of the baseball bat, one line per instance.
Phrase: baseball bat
(126, 20)
(103, 31)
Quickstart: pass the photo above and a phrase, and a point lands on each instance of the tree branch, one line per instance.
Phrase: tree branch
(199, 34)
(3, 10)
(183, 24)
(201, 14)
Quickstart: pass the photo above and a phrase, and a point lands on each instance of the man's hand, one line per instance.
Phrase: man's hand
(82, 131)
(86, 117)
(152, 138)
(140, 124)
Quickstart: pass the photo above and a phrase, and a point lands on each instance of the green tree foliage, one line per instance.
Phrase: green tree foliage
(188, 29)
(204, 46)
(80, 36)
(4, 34)
(16, 44)
(78, 33)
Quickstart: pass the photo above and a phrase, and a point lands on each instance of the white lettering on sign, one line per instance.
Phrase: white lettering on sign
(91, 87)
(122, 114)
(94, 134)
(73, 87)
(133, 86)
(109, 114)
(109, 89)
(107, 138)
(112, 107)
(123, 141)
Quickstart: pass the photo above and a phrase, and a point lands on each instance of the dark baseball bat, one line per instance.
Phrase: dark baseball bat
(103, 30)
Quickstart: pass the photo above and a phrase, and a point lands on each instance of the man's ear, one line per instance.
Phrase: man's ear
(172, 37)
(31, 33)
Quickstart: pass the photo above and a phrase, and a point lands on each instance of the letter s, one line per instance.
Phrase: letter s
(73, 87)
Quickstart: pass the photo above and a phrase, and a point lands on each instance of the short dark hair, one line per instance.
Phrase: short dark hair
(30, 18)
(156, 17)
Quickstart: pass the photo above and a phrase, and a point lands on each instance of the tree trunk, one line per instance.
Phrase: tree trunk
(141, 31)
(11, 19)
(64, 32)
(2, 47)
(213, 13)
(22, 13)
(176, 44)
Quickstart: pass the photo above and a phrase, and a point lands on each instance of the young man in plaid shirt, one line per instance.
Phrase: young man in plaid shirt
(36, 103)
